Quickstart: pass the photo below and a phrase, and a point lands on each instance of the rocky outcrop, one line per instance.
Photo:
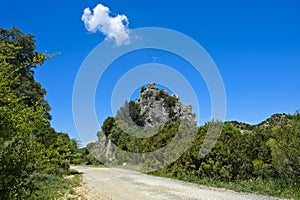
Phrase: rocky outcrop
(103, 149)
(158, 107)
(143, 118)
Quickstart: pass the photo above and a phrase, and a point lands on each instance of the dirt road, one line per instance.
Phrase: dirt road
(112, 183)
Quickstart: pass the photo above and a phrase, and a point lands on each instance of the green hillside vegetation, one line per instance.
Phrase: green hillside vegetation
(138, 145)
(33, 156)
(266, 159)
(263, 158)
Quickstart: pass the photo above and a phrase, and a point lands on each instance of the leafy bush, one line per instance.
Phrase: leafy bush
(264, 160)
(31, 151)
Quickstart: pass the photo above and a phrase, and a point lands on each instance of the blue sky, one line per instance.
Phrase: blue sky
(255, 45)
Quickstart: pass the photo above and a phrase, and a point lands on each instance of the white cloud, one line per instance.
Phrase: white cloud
(115, 28)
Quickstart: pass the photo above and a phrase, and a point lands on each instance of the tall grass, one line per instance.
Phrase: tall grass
(285, 188)
(49, 187)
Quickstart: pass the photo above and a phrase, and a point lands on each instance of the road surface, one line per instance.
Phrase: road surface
(123, 184)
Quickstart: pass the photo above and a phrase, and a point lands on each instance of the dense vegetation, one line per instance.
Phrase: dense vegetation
(135, 114)
(131, 143)
(82, 156)
(33, 156)
(263, 158)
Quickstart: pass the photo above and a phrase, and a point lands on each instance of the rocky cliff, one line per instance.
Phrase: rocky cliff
(155, 106)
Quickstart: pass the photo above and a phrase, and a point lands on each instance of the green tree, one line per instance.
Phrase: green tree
(19, 152)
(285, 148)
(107, 126)
(28, 144)
(23, 61)
(135, 114)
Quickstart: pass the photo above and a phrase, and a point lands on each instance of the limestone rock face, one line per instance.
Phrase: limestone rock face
(103, 149)
(157, 106)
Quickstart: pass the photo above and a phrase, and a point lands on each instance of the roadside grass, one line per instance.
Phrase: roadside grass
(75, 181)
(270, 187)
(48, 187)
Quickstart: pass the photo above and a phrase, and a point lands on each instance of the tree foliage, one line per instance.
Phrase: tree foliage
(23, 59)
(135, 114)
(266, 153)
(29, 146)
(131, 143)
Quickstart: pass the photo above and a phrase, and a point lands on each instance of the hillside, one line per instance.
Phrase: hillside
(146, 125)
(274, 120)
(142, 135)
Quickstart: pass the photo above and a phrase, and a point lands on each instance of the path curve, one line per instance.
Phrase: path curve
(123, 184)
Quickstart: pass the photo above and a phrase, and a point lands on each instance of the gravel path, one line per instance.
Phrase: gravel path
(112, 183)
